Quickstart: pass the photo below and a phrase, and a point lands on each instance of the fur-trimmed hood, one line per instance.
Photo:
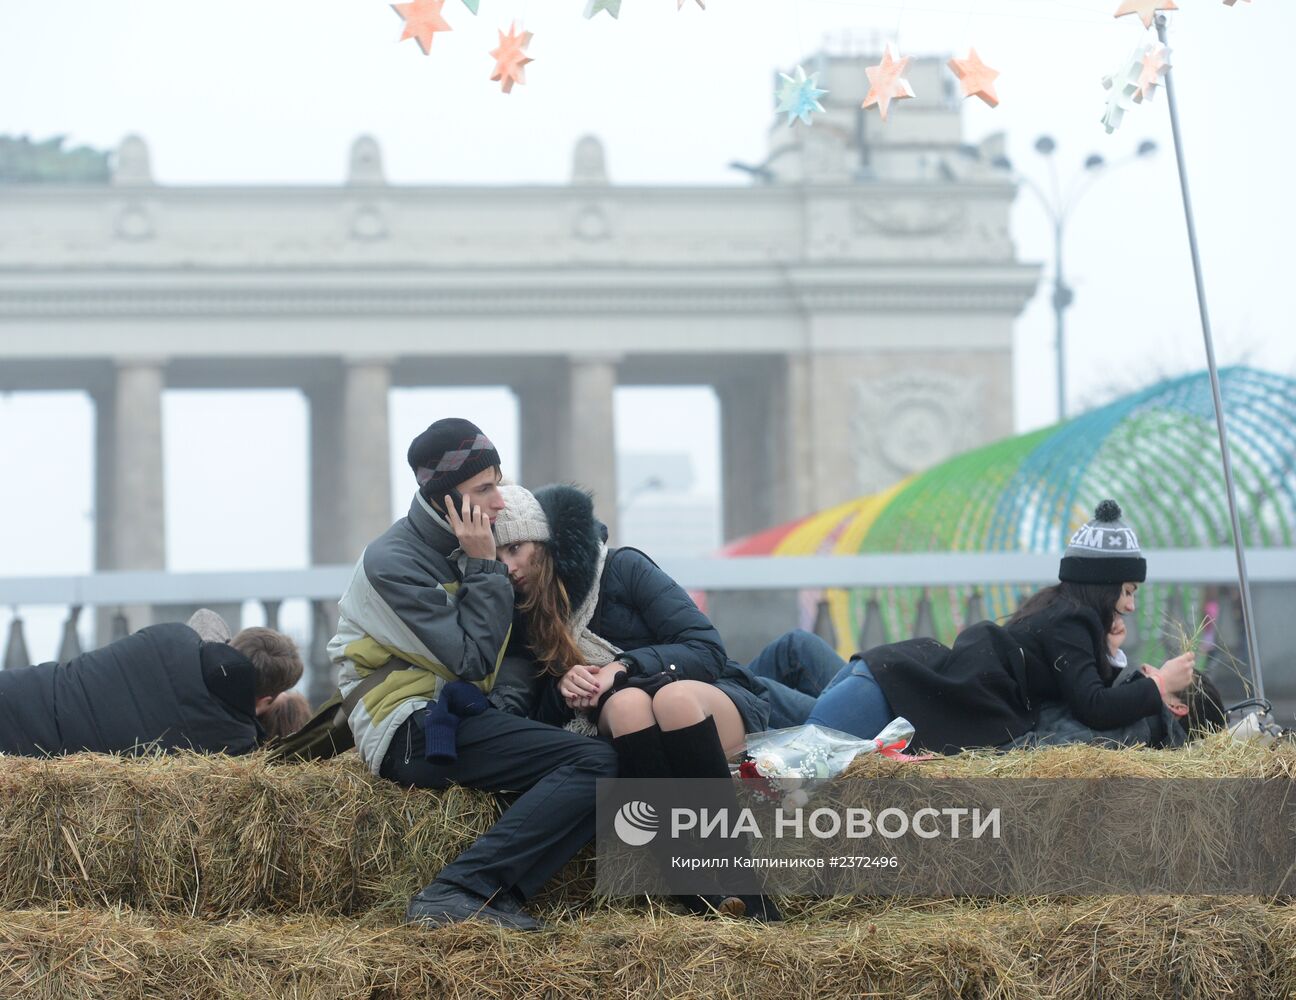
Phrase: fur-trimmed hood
(575, 536)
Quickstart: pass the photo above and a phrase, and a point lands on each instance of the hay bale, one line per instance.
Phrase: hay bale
(212, 836)
(219, 836)
(1217, 756)
(1126, 950)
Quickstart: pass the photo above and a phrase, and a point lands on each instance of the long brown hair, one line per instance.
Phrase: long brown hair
(547, 608)
(1100, 597)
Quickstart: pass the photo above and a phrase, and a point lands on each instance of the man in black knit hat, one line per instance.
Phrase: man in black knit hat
(422, 631)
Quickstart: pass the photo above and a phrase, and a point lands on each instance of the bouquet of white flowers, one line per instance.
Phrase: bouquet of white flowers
(785, 765)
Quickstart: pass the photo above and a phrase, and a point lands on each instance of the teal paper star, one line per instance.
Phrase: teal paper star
(472, 5)
(613, 7)
(798, 96)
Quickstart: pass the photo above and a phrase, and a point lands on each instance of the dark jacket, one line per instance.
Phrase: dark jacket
(642, 611)
(1057, 726)
(160, 687)
(988, 689)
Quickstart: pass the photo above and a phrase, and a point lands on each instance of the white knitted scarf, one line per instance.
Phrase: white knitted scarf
(594, 649)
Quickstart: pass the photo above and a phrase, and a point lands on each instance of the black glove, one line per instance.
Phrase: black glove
(652, 683)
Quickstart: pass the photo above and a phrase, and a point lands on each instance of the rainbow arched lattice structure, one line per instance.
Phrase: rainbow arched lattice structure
(1156, 452)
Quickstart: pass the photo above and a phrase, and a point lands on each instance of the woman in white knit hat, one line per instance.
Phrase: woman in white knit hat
(626, 653)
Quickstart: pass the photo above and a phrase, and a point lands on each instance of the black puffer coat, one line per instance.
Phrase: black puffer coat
(988, 689)
(160, 687)
(640, 610)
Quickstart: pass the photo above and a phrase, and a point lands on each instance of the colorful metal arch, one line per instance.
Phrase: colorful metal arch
(1155, 451)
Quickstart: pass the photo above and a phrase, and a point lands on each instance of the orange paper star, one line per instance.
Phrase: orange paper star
(885, 82)
(1145, 9)
(977, 78)
(422, 20)
(511, 58)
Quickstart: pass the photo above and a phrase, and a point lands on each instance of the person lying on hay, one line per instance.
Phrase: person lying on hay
(800, 666)
(992, 687)
(1193, 712)
(166, 687)
(286, 715)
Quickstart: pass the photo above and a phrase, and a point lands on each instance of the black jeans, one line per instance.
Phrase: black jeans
(545, 826)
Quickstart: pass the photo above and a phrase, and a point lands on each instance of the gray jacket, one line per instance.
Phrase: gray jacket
(415, 597)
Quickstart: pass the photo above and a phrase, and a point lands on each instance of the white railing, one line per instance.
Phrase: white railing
(1185, 566)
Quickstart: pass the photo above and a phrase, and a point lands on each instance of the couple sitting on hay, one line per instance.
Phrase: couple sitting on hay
(492, 639)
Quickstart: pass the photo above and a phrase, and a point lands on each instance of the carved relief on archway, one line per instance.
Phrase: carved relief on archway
(912, 420)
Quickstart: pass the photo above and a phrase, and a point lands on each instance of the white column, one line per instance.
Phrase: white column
(542, 431)
(363, 479)
(764, 446)
(796, 455)
(748, 466)
(591, 438)
(105, 403)
(130, 479)
(350, 485)
(350, 473)
(325, 405)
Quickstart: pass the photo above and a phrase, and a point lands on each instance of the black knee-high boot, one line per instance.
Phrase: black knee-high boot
(697, 752)
(642, 755)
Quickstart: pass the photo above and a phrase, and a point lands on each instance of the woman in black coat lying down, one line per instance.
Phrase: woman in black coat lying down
(989, 689)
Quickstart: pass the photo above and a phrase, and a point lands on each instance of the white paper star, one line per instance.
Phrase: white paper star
(1122, 87)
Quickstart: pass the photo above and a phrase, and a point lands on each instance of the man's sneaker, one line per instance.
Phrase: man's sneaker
(506, 902)
(441, 903)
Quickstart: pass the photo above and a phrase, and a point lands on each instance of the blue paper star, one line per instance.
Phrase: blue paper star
(798, 96)
(472, 5)
(613, 7)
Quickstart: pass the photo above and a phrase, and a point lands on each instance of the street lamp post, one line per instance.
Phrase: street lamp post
(1058, 206)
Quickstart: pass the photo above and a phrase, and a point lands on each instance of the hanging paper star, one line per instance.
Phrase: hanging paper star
(613, 7)
(1153, 64)
(885, 82)
(422, 21)
(679, 4)
(1122, 85)
(1145, 9)
(511, 58)
(472, 5)
(977, 78)
(799, 96)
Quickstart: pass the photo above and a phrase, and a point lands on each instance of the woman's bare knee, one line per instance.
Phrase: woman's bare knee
(686, 703)
(627, 711)
(679, 705)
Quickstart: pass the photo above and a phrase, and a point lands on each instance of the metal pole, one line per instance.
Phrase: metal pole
(1248, 617)
(1061, 299)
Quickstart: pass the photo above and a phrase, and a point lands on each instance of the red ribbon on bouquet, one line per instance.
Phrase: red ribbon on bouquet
(895, 751)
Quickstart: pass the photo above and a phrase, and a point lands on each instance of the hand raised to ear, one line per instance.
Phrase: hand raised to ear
(473, 529)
